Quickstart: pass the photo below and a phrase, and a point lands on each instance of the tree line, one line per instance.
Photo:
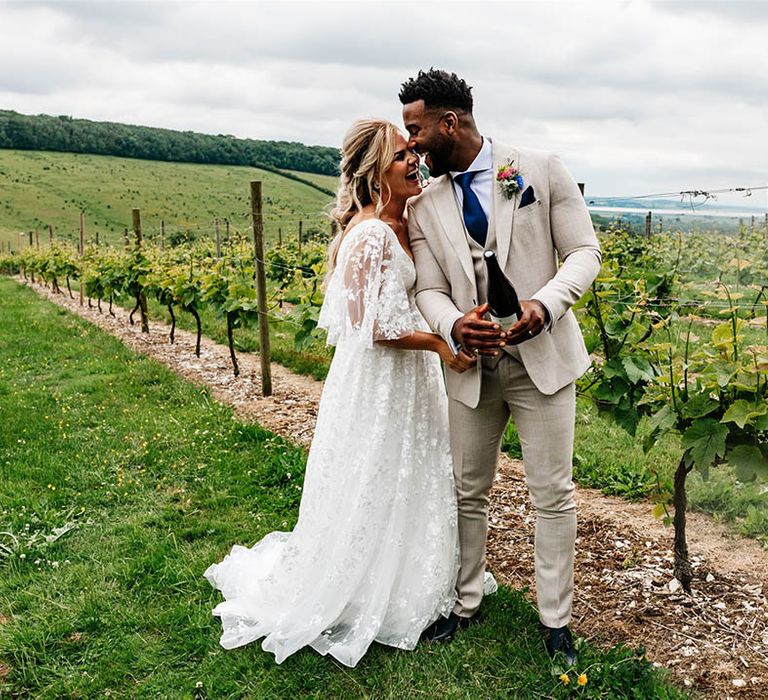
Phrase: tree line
(63, 133)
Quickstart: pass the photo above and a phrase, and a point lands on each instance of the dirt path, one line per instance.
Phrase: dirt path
(715, 640)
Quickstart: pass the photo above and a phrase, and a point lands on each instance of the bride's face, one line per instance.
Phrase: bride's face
(402, 177)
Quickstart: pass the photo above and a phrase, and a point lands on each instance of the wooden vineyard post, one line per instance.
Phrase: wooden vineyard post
(82, 250)
(218, 241)
(30, 239)
(125, 238)
(141, 299)
(648, 218)
(37, 238)
(261, 286)
(50, 234)
(97, 239)
(162, 235)
(136, 216)
(279, 237)
(301, 226)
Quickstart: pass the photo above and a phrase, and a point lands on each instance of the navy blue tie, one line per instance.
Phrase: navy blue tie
(474, 216)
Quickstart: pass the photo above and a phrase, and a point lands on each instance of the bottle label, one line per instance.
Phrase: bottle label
(505, 322)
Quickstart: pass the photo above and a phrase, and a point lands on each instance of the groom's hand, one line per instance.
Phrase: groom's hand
(530, 324)
(477, 335)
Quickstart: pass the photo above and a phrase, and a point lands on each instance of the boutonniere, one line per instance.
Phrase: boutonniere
(510, 180)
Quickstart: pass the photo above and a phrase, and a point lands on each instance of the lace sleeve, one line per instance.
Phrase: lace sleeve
(366, 296)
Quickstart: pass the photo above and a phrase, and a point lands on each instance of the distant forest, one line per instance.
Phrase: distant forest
(47, 133)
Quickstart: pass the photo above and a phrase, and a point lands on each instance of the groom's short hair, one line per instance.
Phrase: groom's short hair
(438, 89)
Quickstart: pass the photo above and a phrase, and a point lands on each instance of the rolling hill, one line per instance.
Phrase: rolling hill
(38, 188)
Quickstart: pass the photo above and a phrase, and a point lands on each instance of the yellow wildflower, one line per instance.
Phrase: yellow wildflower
(565, 678)
(582, 679)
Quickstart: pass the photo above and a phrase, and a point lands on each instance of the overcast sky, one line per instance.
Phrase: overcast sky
(638, 97)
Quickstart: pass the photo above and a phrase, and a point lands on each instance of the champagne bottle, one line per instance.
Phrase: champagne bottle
(502, 297)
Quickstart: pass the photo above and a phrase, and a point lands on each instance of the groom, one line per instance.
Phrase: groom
(545, 243)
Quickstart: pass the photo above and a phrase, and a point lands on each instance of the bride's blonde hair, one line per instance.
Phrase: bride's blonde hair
(366, 154)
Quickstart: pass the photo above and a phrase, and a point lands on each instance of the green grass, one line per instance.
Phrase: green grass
(742, 506)
(157, 481)
(38, 188)
(330, 182)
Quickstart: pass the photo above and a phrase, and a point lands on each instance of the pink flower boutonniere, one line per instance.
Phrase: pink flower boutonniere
(510, 180)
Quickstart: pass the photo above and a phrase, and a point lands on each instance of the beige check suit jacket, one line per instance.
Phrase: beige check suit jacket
(548, 249)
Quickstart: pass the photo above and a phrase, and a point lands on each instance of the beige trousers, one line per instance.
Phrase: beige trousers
(545, 425)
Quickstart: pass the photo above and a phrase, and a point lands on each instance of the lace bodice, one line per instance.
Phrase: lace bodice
(370, 295)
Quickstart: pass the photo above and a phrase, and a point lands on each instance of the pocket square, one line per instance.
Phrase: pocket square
(528, 197)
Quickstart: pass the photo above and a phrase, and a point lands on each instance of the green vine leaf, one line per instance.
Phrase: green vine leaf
(626, 415)
(698, 406)
(743, 412)
(663, 420)
(723, 371)
(611, 391)
(704, 442)
(761, 422)
(638, 369)
(749, 463)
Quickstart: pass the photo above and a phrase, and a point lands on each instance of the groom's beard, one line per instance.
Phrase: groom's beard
(439, 157)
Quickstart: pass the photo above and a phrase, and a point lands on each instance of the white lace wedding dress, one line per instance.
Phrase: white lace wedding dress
(373, 555)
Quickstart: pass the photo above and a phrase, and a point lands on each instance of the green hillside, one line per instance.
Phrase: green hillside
(329, 182)
(38, 188)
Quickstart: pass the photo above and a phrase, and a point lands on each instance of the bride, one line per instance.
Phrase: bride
(373, 556)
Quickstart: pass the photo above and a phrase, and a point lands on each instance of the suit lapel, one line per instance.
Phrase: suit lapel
(503, 208)
(447, 213)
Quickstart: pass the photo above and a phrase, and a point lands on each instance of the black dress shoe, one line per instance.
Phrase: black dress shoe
(443, 629)
(559, 640)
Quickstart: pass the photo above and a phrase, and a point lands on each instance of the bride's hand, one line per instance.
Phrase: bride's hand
(458, 363)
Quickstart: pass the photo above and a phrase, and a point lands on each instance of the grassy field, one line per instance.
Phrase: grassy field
(120, 483)
(330, 182)
(41, 188)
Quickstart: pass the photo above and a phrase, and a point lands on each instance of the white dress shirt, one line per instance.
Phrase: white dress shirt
(482, 183)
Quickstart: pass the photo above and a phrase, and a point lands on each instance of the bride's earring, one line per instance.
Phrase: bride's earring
(375, 186)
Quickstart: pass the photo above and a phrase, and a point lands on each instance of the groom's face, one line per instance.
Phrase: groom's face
(429, 136)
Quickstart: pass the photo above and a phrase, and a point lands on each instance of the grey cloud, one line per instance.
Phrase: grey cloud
(237, 32)
(737, 11)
